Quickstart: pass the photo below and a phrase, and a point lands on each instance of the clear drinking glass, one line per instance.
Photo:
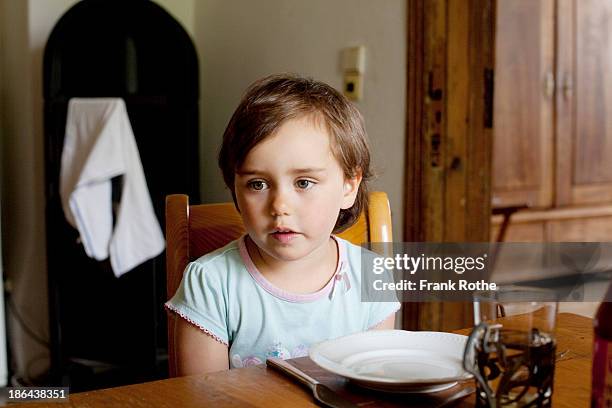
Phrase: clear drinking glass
(511, 350)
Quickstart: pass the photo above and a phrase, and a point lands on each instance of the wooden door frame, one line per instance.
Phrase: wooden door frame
(450, 58)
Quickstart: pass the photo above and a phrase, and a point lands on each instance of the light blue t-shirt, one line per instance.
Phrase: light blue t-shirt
(224, 295)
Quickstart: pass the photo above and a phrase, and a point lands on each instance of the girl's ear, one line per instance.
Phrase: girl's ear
(350, 190)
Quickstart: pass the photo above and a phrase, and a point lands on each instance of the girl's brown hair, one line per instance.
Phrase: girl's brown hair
(271, 101)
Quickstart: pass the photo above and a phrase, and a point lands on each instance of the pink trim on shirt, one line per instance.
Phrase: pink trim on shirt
(290, 296)
(173, 309)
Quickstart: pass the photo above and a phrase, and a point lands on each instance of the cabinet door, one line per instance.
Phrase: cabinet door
(523, 100)
(584, 100)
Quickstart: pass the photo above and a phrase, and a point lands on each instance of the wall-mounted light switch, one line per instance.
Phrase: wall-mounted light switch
(353, 68)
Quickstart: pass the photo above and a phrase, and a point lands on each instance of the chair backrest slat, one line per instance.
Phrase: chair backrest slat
(212, 226)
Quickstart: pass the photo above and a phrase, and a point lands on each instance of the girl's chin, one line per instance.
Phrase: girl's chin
(291, 251)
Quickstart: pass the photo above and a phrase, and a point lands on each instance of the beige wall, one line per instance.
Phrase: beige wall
(240, 40)
(237, 41)
(22, 189)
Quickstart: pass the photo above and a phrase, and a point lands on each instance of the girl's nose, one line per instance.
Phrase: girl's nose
(279, 204)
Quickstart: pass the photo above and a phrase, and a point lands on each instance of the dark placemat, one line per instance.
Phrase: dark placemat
(370, 398)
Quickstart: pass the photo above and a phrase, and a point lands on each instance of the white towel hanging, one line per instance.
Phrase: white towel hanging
(99, 145)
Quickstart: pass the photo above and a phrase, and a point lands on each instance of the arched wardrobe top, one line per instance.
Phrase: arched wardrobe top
(120, 48)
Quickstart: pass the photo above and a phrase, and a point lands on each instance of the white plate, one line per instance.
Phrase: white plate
(395, 360)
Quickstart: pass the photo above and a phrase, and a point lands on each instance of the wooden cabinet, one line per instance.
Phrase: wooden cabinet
(584, 98)
(552, 146)
(523, 106)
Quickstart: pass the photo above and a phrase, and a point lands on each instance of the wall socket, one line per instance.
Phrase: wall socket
(353, 86)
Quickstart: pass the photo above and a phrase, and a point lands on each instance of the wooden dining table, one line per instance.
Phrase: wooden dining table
(260, 386)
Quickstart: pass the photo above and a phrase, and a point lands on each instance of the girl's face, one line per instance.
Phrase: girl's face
(290, 190)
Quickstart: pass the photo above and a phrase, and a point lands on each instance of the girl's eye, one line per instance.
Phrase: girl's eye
(304, 184)
(257, 185)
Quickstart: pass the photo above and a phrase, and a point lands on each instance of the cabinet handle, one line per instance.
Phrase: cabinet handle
(568, 86)
(549, 84)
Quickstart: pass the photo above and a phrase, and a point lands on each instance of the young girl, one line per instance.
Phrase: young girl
(296, 159)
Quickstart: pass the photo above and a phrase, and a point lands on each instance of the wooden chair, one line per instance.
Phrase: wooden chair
(195, 230)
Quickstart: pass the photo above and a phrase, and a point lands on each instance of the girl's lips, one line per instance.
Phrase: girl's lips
(284, 237)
